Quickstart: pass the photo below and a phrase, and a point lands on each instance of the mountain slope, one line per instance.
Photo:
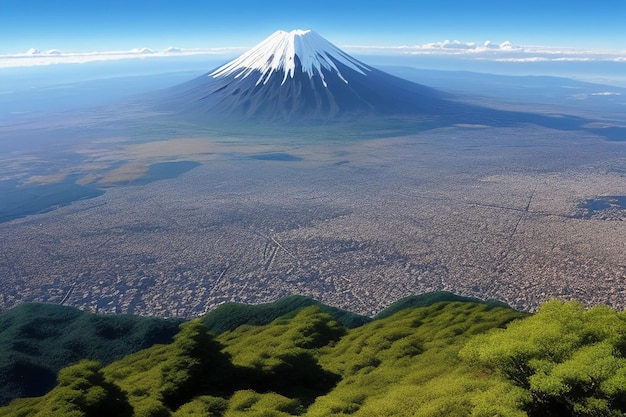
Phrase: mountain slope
(430, 298)
(37, 340)
(299, 76)
(448, 359)
(229, 316)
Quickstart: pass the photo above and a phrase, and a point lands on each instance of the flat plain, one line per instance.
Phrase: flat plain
(191, 219)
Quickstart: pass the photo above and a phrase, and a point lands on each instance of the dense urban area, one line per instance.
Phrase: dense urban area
(504, 213)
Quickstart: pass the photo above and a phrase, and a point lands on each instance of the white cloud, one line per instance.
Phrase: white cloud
(488, 50)
(525, 59)
(489, 45)
(34, 57)
(144, 51)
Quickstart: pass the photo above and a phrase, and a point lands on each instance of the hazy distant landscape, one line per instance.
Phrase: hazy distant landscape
(131, 212)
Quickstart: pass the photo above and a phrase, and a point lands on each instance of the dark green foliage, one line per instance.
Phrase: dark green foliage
(430, 298)
(313, 328)
(22, 376)
(37, 340)
(195, 365)
(229, 316)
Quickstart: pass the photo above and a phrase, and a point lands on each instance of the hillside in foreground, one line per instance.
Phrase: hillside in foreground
(38, 340)
(456, 358)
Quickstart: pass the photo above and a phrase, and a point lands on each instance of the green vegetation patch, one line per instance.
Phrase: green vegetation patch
(448, 359)
(229, 316)
(82, 390)
(408, 364)
(37, 340)
(430, 298)
(571, 360)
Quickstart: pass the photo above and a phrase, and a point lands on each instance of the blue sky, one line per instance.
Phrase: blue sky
(73, 25)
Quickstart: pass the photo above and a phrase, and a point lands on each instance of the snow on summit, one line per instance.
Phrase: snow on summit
(277, 55)
(298, 77)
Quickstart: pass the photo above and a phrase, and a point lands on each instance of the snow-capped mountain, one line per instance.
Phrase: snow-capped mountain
(300, 76)
(283, 51)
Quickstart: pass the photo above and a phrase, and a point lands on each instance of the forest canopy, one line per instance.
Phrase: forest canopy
(451, 358)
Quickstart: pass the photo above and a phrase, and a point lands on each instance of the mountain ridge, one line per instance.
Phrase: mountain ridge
(29, 330)
(298, 77)
(448, 359)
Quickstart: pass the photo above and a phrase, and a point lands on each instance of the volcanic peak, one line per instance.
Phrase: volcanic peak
(286, 53)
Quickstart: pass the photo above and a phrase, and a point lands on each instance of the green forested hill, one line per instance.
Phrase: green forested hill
(430, 298)
(229, 316)
(37, 340)
(454, 358)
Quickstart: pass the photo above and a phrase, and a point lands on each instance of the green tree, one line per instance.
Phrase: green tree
(313, 329)
(83, 391)
(151, 407)
(570, 359)
(282, 357)
(196, 365)
(203, 406)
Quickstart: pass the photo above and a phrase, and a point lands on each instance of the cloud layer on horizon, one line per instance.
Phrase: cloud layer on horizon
(35, 57)
(503, 52)
(489, 51)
